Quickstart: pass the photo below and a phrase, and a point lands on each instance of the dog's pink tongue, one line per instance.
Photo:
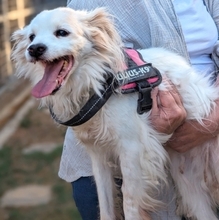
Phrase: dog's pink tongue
(48, 83)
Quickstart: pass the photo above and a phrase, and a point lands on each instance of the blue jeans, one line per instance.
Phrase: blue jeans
(85, 197)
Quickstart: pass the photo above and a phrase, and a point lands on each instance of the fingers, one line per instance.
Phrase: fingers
(173, 91)
(167, 112)
(165, 99)
(176, 96)
(171, 95)
(154, 97)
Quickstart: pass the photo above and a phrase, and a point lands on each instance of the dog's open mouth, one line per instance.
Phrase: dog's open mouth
(54, 76)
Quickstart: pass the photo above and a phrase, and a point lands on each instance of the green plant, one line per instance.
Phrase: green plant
(25, 123)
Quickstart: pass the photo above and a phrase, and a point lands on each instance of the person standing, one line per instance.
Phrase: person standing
(189, 28)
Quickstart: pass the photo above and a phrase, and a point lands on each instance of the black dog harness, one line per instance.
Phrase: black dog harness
(139, 77)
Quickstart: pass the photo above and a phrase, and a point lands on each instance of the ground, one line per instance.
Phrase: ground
(17, 169)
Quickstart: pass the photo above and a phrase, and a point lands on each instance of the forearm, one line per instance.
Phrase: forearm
(192, 134)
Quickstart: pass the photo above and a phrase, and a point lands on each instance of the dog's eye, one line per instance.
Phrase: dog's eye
(31, 37)
(61, 33)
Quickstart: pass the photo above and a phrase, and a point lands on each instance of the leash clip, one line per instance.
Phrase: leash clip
(144, 97)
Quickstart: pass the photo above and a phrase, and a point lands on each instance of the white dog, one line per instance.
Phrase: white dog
(69, 56)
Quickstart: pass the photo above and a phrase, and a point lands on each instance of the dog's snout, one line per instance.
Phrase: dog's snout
(37, 50)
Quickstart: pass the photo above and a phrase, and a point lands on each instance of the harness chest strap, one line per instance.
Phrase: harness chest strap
(139, 77)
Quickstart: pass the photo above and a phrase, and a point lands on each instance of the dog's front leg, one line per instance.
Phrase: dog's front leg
(132, 183)
(105, 187)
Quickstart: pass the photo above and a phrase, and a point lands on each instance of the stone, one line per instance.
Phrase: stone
(10, 127)
(25, 196)
(41, 147)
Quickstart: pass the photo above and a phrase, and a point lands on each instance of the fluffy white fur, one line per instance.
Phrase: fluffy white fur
(117, 137)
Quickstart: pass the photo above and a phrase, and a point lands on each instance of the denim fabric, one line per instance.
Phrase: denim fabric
(85, 197)
(141, 23)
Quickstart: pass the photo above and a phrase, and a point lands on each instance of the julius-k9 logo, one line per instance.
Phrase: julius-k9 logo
(134, 74)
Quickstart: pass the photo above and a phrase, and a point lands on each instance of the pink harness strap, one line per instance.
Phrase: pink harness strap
(133, 54)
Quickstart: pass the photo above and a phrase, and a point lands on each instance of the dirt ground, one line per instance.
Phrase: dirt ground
(37, 126)
(17, 169)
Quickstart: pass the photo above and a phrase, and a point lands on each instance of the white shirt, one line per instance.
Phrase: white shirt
(75, 163)
(200, 33)
(143, 22)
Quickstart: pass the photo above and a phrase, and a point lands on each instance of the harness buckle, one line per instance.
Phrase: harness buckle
(144, 97)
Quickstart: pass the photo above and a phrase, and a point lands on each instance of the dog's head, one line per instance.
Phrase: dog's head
(63, 46)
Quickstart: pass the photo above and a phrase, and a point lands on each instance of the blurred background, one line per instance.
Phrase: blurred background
(30, 142)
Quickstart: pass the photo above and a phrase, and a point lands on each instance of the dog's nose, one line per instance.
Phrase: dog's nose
(37, 50)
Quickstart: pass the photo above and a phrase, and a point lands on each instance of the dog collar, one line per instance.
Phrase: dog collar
(139, 77)
(93, 105)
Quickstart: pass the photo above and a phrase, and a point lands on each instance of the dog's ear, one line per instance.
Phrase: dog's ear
(101, 19)
(20, 43)
(18, 35)
(102, 32)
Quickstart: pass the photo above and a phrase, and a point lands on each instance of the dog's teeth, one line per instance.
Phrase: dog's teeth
(64, 65)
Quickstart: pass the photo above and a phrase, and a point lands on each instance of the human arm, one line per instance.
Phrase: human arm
(168, 116)
(167, 112)
(191, 133)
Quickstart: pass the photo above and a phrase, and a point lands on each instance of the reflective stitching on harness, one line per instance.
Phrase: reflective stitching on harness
(146, 78)
(89, 110)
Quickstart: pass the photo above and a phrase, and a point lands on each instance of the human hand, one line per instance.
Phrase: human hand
(167, 112)
(192, 134)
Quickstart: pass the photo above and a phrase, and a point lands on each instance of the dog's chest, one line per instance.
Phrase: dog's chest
(97, 133)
